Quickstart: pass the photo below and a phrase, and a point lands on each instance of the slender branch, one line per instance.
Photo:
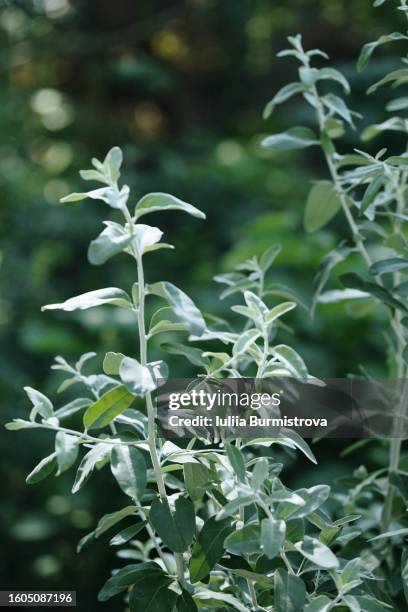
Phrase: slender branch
(395, 322)
(151, 425)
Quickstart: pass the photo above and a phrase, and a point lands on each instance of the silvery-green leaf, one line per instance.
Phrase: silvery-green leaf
(42, 470)
(17, 424)
(337, 106)
(283, 94)
(129, 468)
(144, 237)
(183, 307)
(244, 541)
(369, 48)
(334, 75)
(139, 379)
(290, 592)
(112, 164)
(291, 360)
(322, 205)
(41, 404)
(110, 195)
(99, 297)
(111, 241)
(269, 256)
(245, 340)
(207, 595)
(272, 536)
(165, 320)
(317, 553)
(279, 311)
(319, 604)
(66, 449)
(73, 407)
(153, 202)
(96, 456)
(294, 138)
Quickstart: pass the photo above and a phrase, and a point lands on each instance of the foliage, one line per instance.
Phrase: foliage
(230, 533)
(236, 567)
(371, 191)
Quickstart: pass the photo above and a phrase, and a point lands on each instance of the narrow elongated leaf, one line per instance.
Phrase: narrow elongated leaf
(269, 256)
(291, 360)
(386, 266)
(66, 448)
(41, 404)
(295, 138)
(209, 548)
(245, 341)
(213, 597)
(43, 469)
(260, 473)
(72, 407)
(111, 519)
(313, 498)
(126, 534)
(337, 106)
(182, 305)
(317, 553)
(107, 407)
(279, 311)
(283, 94)
(154, 202)
(381, 293)
(319, 604)
(272, 536)
(323, 203)
(127, 576)
(334, 75)
(290, 592)
(369, 48)
(177, 528)
(129, 468)
(110, 195)
(99, 297)
(96, 456)
(371, 192)
(233, 506)
(328, 263)
(236, 459)
(396, 77)
(111, 241)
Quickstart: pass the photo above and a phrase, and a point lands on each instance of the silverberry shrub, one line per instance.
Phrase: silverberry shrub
(212, 526)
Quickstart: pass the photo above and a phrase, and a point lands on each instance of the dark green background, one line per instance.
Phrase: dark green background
(180, 86)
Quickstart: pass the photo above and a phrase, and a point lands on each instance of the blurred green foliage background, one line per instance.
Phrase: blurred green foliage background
(180, 86)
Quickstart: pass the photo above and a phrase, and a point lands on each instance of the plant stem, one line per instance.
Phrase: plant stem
(395, 445)
(151, 427)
